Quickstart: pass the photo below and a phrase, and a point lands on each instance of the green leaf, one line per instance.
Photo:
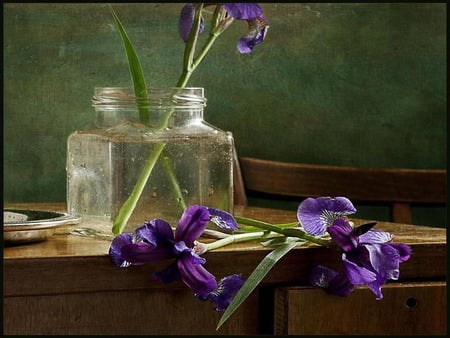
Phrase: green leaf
(278, 241)
(137, 75)
(255, 278)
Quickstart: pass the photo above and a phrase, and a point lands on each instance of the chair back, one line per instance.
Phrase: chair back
(398, 187)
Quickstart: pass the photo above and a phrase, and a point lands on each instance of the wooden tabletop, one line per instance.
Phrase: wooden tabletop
(70, 263)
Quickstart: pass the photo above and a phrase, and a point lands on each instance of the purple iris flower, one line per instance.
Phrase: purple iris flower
(368, 256)
(250, 12)
(156, 241)
(186, 21)
(316, 214)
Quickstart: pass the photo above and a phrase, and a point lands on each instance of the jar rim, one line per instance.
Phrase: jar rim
(156, 96)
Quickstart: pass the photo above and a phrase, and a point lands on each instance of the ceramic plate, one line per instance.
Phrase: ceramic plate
(27, 226)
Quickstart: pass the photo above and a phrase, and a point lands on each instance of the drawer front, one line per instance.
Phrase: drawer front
(156, 312)
(406, 309)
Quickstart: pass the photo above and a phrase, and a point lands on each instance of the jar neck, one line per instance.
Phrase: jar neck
(162, 108)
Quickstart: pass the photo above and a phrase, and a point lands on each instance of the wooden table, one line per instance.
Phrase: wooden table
(68, 285)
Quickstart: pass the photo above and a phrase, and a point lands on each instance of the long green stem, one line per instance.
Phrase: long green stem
(130, 204)
(191, 63)
(290, 232)
(238, 238)
(167, 165)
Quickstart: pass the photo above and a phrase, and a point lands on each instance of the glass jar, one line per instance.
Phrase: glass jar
(188, 160)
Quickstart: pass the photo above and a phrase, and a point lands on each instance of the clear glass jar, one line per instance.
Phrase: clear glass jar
(194, 160)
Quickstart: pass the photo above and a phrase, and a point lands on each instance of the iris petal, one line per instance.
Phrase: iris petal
(315, 214)
(143, 253)
(404, 251)
(341, 234)
(186, 21)
(225, 291)
(223, 219)
(358, 275)
(192, 224)
(375, 236)
(320, 276)
(257, 30)
(336, 283)
(155, 231)
(115, 249)
(196, 277)
(385, 260)
(375, 287)
(243, 11)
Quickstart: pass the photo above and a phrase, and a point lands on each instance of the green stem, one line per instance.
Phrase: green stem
(290, 232)
(191, 63)
(189, 49)
(238, 238)
(130, 204)
(167, 165)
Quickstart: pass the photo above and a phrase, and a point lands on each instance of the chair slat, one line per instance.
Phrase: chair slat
(392, 185)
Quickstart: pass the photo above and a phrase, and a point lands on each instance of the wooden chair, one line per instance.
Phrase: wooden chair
(398, 187)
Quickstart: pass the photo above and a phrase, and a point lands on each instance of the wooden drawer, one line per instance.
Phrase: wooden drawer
(167, 311)
(406, 309)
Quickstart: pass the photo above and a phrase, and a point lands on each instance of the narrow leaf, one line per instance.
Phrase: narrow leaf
(278, 241)
(137, 75)
(255, 278)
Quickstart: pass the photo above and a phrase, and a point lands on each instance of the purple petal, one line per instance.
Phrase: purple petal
(243, 11)
(341, 234)
(155, 231)
(340, 285)
(385, 260)
(315, 214)
(320, 276)
(375, 236)
(115, 249)
(186, 21)
(336, 283)
(404, 251)
(144, 253)
(256, 34)
(180, 248)
(375, 287)
(191, 224)
(196, 277)
(223, 219)
(196, 259)
(225, 291)
(358, 274)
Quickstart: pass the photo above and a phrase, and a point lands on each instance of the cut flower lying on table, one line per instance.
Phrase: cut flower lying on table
(369, 257)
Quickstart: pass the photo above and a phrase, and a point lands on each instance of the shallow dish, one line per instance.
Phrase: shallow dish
(28, 226)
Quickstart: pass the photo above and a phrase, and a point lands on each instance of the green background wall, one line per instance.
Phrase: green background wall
(345, 84)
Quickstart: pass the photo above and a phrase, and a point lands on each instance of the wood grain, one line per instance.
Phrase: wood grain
(406, 309)
(68, 284)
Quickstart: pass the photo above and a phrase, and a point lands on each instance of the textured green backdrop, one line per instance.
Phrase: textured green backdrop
(351, 84)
